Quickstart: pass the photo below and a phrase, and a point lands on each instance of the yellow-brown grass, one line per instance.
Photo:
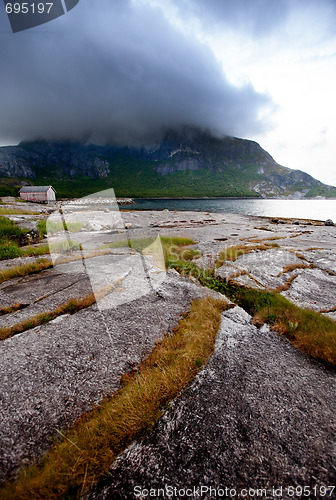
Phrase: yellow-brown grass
(263, 228)
(34, 250)
(295, 235)
(24, 269)
(233, 252)
(254, 239)
(17, 211)
(69, 307)
(73, 258)
(286, 286)
(85, 453)
(42, 264)
(331, 273)
(292, 267)
(299, 255)
(14, 307)
(237, 275)
(308, 330)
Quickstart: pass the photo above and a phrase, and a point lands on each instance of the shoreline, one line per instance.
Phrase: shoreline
(130, 205)
(293, 256)
(284, 198)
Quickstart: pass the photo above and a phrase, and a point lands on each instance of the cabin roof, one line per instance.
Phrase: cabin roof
(36, 189)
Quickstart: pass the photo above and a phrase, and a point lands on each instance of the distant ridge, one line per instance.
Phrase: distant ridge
(186, 163)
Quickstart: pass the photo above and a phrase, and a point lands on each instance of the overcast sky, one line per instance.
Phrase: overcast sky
(126, 70)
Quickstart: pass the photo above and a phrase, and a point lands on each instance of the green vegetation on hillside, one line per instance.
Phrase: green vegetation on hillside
(9, 187)
(138, 179)
(321, 191)
(194, 162)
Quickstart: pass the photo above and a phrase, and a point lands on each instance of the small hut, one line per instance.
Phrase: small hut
(39, 194)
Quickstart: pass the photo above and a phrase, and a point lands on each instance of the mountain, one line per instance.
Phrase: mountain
(186, 163)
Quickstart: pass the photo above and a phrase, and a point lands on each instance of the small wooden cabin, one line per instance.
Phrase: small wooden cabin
(39, 194)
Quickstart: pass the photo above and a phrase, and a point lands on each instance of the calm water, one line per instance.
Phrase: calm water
(301, 209)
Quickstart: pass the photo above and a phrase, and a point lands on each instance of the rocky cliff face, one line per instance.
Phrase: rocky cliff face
(294, 183)
(247, 158)
(187, 156)
(73, 159)
(14, 162)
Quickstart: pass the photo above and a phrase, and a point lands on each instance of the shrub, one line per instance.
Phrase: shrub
(9, 231)
(9, 250)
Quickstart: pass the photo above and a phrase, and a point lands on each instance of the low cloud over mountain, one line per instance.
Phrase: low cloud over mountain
(117, 69)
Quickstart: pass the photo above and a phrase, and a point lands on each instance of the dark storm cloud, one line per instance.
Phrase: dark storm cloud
(116, 70)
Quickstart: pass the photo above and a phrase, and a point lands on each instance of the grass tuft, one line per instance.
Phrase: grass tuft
(233, 252)
(17, 211)
(14, 307)
(24, 269)
(314, 333)
(293, 267)
(287, 285)
(70, 307)
(34, 251)
(11, 250)
(9, 231)
(46, 227)
(85, 453)
(310, 331)
(173, 248)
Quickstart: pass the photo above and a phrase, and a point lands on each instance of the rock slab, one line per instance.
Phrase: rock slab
(259, 415)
